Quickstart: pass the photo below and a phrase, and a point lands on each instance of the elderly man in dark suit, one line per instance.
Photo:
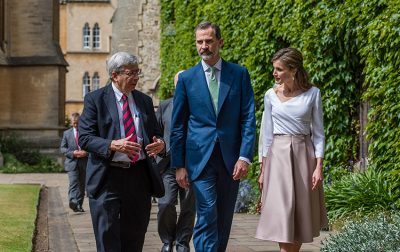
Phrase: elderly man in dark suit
(75, 165)
(119, 129)
(212, 136)
(170, 229)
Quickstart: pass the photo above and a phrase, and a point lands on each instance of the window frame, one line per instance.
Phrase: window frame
(96, 37)
(85, 84)
(95, 81)
(86, 36)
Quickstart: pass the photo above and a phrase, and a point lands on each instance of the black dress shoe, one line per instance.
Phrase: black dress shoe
(73, 206)
(182, 247)
(167, 247)
(79, 209)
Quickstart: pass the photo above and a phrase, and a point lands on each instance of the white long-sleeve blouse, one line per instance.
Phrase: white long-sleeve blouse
(301, 115)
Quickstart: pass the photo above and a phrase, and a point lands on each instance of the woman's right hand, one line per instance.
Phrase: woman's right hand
(261, 177)
(261, 181)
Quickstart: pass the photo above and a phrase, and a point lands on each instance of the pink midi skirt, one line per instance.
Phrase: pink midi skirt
(291, 211)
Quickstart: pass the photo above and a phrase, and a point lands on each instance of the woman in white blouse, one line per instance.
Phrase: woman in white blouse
(293, 209)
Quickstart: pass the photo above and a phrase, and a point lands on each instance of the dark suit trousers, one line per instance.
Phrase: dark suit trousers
(121, 212)
(171, 228)
(215, 192)
(76, 177)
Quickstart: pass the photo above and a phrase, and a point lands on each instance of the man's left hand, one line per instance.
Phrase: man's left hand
(156, 147)
(240, 171)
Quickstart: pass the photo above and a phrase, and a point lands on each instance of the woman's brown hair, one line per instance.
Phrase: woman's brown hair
(293, 59)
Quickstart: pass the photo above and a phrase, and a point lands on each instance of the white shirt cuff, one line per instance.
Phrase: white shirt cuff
(245, 159)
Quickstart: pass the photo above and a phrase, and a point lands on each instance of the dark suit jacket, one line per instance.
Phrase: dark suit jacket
(163, 115)
(99, 125)
(196, 127)
(67, 147)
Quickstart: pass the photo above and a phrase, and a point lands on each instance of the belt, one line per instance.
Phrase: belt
(125, 165)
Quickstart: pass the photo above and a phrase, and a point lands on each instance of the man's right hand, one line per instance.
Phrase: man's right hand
(126, 146)
(182, 177)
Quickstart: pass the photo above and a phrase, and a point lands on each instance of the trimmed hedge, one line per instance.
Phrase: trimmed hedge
(350, 49)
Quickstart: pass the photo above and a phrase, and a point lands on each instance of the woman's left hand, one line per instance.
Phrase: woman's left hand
(317, 177)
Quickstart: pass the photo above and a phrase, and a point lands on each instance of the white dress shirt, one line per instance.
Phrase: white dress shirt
(300, 115)
(118, 156)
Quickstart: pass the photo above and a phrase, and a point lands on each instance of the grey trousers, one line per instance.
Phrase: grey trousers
(171, 228)
(76, 190)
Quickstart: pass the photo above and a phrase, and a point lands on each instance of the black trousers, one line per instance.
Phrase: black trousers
(121, 212)
(171, 228)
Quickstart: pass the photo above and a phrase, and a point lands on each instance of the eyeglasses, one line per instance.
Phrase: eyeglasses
(132, 73)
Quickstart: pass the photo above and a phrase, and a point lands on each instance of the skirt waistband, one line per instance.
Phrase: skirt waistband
(304, 135)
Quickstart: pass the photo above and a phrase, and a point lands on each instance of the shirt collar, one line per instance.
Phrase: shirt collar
(217, 65)
(118, 94)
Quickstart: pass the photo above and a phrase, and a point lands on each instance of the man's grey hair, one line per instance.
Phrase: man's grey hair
(118, 60)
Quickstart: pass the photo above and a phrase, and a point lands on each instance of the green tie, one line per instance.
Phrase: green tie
(213, 86)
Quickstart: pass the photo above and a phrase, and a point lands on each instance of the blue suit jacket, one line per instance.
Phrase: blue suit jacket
(99, 125)
(196, 127)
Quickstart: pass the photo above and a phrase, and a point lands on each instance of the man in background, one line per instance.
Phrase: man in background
(75, 164)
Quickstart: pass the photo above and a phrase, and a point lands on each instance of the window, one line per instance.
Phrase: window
(86, 36)
(85, 84)
(95, 81)
(96, 36)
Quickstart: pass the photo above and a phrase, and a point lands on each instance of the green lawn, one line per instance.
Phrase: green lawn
(17, 216)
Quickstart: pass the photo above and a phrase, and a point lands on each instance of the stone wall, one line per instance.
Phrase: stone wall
(149, 44)
(32, 73)
(136, 29)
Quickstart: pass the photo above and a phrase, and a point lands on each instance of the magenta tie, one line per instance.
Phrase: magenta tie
(76, 139)
(129, 125)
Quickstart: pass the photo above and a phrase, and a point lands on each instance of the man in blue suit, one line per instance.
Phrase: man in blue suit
(119, 129)
(212, 136)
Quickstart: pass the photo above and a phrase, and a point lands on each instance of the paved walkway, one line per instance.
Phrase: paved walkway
(72, 232)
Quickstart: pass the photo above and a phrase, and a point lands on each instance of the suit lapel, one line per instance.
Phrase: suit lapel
(111, 103)
(225, 83)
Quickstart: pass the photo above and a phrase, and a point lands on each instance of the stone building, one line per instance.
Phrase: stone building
(85, 38)
(136, 29)
(32, 71)
(92, 30)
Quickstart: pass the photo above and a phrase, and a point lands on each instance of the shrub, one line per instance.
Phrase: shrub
(13, 165)
(379, 233)
(20, 157)
(367, 192)
(247, 197)
(20, 149)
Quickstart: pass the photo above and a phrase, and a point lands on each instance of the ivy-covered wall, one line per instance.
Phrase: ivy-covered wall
(351, 50)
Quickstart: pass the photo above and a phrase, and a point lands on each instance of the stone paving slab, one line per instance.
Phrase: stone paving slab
(241, 239)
